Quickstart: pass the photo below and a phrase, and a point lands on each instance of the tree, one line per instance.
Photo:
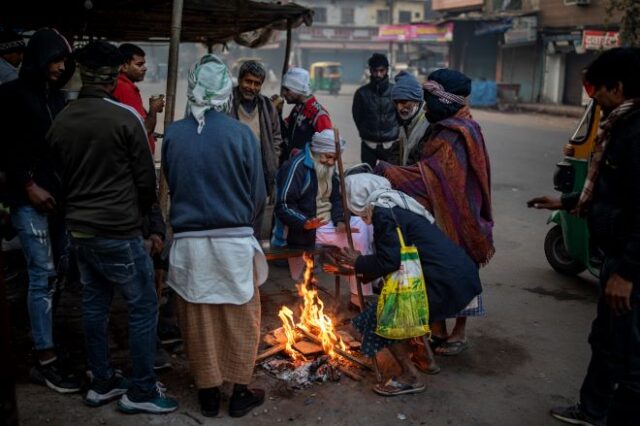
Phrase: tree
(629, 22)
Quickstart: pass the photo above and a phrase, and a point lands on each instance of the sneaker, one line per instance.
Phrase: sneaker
(242, 402)
(103, 391)
(169, 334)
(55, 376)
(163, 359)
(209, 399)
(575, 416)
(154, 402)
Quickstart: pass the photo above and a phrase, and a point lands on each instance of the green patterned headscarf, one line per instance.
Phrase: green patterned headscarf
(210, 87)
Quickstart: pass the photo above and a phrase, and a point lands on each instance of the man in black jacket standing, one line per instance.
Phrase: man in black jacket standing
(28, 106)
(101, 153)
(375, 115)
(610, 200)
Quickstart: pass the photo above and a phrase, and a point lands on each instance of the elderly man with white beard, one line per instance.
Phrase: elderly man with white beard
(408, 97)
(308, 206)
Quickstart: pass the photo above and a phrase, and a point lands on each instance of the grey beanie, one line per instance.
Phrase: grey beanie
(407, 88)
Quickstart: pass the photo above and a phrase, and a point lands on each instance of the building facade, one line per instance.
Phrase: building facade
(347, 31)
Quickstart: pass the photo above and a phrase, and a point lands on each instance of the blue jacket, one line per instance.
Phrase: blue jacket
(297, 189)
(215, 178)
(451, 276)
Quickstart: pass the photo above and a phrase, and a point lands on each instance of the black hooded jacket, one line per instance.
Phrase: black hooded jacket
(374, 112)
(28, 106)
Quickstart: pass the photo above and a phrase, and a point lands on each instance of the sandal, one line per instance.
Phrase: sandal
(394, 388)
(452, 348)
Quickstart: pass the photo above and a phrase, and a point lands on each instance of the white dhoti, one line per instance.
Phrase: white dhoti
(327, 235)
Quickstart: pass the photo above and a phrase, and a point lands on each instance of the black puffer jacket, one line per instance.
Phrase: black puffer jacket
(374, 112)
(28, 106)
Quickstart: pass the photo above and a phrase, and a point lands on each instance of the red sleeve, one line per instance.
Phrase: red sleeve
(323, 122)
(131, 97)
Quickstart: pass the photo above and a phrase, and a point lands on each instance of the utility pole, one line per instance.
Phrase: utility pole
(392, 55)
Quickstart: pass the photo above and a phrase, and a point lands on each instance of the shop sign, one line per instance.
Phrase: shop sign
(416, 32)
(598, 40)
(455, 4)
(523, 30)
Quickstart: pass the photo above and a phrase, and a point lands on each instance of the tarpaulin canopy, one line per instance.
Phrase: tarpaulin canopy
(206, 21)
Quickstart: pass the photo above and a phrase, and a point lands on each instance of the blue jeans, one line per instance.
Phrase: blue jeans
(35, 238)
(104, 264)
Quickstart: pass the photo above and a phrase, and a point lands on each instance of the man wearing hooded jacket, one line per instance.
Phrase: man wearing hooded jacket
(375, 115)
(28, 106)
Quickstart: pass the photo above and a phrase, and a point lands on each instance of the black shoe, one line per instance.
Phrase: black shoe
(169, 334)
(57, 377)
(575, 416)
(104, 391)
(245, 400)
(162, 360)
(209, 401)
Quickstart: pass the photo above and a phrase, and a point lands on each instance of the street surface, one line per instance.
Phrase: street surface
(526, 355)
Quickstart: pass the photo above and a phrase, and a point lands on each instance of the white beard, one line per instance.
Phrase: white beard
(410, 114)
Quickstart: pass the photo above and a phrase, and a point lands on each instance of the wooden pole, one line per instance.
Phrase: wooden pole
(347, 213)
(340, 352)
(172, 83)
(287, 51)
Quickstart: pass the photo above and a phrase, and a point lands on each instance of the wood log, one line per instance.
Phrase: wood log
(270, 352)
(340, 352)
(350, 374)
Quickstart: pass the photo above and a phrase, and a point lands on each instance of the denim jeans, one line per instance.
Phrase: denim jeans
(105, 264)
(35, 238)
(611, 388)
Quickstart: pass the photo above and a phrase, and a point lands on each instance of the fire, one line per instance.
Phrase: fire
(313, 319)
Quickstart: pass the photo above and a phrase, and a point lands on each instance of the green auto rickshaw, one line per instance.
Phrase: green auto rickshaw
(567, 245)
(326, 76)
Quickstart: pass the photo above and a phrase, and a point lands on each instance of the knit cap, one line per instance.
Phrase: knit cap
(406, 88)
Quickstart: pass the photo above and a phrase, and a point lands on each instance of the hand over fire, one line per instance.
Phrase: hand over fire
(347, 257)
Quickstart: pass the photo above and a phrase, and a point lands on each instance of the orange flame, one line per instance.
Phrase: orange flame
(313, 319)
(289, 327)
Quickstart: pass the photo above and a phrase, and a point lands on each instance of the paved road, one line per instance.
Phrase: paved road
(528, 354)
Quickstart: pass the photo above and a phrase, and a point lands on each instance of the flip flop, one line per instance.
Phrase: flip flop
(394, 388)
(452, 348)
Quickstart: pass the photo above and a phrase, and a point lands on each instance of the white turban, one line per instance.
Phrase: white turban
(324, 142)
(210, 87)
(365, 190)
(297, 80)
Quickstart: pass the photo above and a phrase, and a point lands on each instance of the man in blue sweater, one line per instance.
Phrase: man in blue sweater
(213, 167)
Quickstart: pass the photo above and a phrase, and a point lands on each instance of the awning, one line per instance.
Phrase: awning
(206, 21)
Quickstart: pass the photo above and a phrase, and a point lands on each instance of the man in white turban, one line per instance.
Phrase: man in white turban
(309, 206)
(214, 170)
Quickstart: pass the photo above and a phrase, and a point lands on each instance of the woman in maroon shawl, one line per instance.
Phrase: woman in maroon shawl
(450, 177)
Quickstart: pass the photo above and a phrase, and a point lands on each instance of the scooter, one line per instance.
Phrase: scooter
(567, 245)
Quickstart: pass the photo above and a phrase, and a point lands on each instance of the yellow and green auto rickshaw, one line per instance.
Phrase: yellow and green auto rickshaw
(567, 246)
(326, 76)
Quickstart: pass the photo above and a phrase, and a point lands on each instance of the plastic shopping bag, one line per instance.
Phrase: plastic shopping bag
(403, 307)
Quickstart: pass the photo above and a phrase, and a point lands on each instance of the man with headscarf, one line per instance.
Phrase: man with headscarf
(451, 178)
(309, 207)
(28, 106)
(103, 159)
(408, 99)
(307, 116)
(11, 52)
(214, 170)
(451, 276)
(375, 115)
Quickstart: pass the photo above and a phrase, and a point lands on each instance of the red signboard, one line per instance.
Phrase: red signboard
(597, 40)
(416, 32)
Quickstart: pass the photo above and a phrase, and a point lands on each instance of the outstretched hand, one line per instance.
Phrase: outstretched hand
(545, 202)
(314, 223)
